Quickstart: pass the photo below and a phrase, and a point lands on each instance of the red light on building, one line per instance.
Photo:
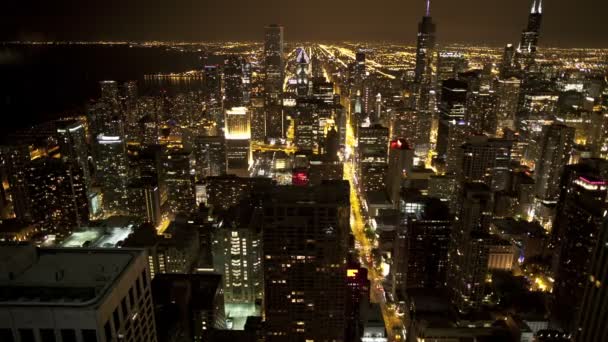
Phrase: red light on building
(299, 177)
(399, 144)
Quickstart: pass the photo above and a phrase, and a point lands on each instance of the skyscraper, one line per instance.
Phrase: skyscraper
(507, 92)
(58, 195)
(578, 222)
(469, 251)
(425, 53)
(89, 295)
(237, 254)
(508, 61)
(372, 157)
(423, 87)
(453, 129)
(73, 145)
(428, 240)
(591, 323)
(178, 177)
(233, 82)
(112, 172)
(481, 113)
(485, 160)
(526, 51)
(210, 156)
(555, 150)
(449, 65)
(274, 66)
(302, 72)
(400, 162)
(305, 246)
(274, 62)
(238, 135)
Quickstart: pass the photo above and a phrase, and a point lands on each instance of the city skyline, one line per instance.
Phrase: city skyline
(468, 22)
(274, 191)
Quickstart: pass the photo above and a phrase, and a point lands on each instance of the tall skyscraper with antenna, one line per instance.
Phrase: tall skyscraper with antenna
(425, 49)
(423, 78)
(526, 51)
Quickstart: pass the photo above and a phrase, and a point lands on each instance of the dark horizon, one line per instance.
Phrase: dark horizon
(467, 22)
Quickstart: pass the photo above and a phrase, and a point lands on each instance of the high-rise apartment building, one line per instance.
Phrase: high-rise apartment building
(469, 252)
(555, 151)
(453, 129)
(58, 196)
(485, 160)
(591, 325)
(372, 157)
(305, 244)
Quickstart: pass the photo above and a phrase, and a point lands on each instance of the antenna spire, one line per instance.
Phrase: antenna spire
(536, 8)
(428, 8)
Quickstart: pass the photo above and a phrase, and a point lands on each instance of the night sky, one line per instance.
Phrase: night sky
(567, 23)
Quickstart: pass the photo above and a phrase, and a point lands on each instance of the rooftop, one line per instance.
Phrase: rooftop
(58, 276)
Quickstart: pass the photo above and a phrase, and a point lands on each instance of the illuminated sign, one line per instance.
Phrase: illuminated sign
(351, 273)
(399, 144)
(593, 185)
(299, 178)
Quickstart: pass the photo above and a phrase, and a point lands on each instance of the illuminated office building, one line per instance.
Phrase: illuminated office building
(273, 62)
(233, 82)
(175, 251)
(591, 324)
(445, 188)
(129, 102)
(485, 160)
(58, 196)
(305, 244)
(304, 125)
(14, 158)
(302, 72)
(213, 83)
(425, 54)
(112, 172)
(400, 163)
(526, 51)
(507, 92)
(178, 177)
(105, 116)
(372, 157)
(449, 65)
(507, 64)
(237, 253)
(238, 135)
(578, 222)
(72, 139)
(210, 156)
(453, 129)
(469, 251)
(482, 108)
(274, 65)
(428, 239)
(555, 150)
(223, 192)
(360, 64)
(144, 201)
